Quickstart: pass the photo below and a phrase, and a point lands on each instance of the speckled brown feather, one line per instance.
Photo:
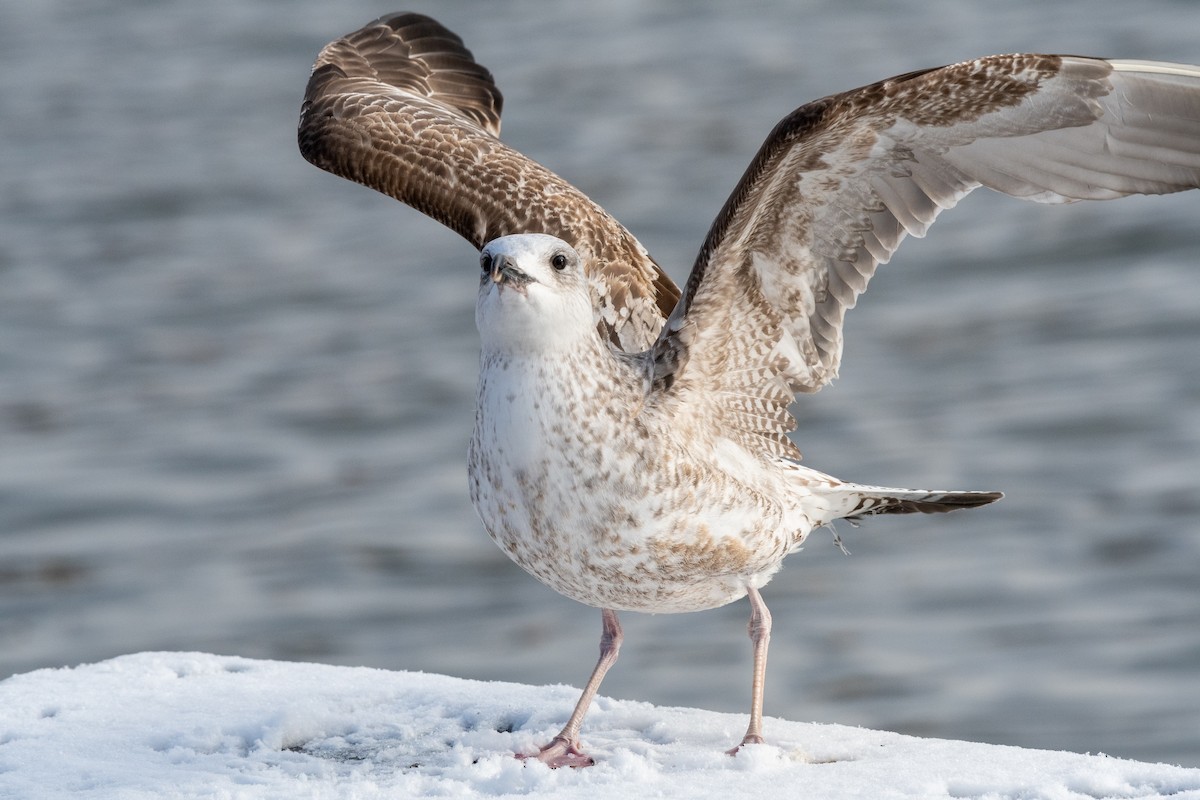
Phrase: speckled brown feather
(659, 481)
(839, 183)
(401, 106)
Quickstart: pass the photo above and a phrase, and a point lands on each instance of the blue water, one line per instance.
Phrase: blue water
(235, 392)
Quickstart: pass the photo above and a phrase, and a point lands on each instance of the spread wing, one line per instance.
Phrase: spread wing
(840, 182)
(402, 107)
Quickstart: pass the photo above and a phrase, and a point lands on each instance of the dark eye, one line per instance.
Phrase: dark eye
(485, 262)
(558, 261)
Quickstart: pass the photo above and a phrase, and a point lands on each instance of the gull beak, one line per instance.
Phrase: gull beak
(497, 272)
(504, 270)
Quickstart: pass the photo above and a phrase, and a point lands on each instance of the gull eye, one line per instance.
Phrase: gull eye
(558, 261)
(485, 262)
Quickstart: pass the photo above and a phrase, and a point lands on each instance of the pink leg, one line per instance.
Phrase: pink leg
(760, 636)
(563, 750)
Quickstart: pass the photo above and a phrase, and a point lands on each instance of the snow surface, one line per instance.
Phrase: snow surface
(198, 725)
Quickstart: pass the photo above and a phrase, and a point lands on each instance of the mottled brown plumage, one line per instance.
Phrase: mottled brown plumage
(841, 181)
(630, 447)
(401, 106)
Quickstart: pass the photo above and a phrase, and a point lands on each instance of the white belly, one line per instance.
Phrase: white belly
(603, 511)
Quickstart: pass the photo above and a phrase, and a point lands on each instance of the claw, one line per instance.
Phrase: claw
(563, 750)
(749, 739)
(560, 753)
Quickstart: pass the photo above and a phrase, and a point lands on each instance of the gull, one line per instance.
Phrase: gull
(631, 445)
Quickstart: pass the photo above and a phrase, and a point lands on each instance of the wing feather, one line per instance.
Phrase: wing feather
(401, 106)
(840, 182)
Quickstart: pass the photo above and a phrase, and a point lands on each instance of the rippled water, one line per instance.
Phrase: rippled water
(235, 392)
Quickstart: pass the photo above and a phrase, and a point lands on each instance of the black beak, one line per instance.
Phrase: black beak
(504, 270)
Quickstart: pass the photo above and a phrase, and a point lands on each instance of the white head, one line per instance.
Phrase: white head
(533, 294)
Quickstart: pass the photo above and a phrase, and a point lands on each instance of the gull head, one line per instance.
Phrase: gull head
(533, 294)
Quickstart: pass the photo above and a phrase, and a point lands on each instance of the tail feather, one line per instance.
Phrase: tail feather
(866, 501)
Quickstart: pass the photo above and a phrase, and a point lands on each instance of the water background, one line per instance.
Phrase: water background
(235, 392)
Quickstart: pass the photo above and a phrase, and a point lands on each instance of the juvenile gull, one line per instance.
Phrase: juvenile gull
(630, 446)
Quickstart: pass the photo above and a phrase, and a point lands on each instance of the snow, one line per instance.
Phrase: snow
(198, 725)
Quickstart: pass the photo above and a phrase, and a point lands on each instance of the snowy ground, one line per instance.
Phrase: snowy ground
(198, 725)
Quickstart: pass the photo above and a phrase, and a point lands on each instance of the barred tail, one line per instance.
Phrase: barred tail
(852, 501)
